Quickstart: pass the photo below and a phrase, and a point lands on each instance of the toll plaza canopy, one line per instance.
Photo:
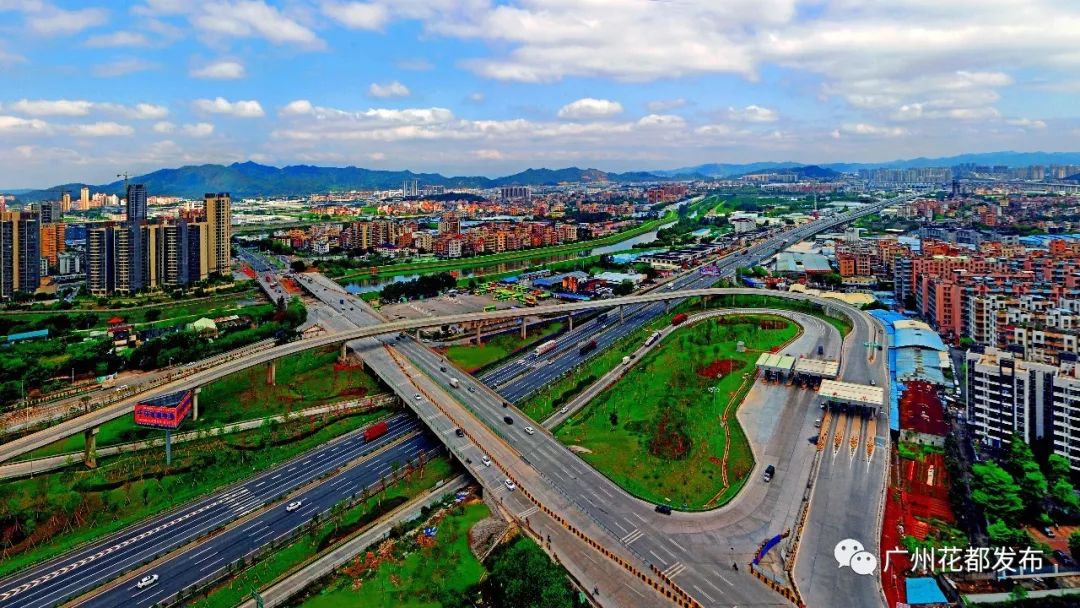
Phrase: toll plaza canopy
(777, 364)
(818, 368)
(855, 394)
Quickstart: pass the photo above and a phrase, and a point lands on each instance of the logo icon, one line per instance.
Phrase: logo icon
(850, 552)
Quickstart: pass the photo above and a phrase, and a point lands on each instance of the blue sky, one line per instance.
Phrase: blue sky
(92, 89)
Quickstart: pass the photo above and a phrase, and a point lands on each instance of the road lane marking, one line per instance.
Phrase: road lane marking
(702, 592)
(677, 545)
(674, 570)
(657, 557)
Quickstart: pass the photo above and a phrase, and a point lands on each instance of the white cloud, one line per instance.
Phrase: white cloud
(588, 107)
(251, 19)
(17, 125)
(666, 105)
(80, 107)
(53, 21)
(390, 89)
(298, 107)
(864, 129)
(238, 109)
(357, 15)
(164, 127)
(100, 129)
(662, 120)
(117, 39)
(377, 156)
(752, 113)
(200, 129)
(488, 154)
(122, 67)
(475, 98)
(1026, 123)
(219, 70)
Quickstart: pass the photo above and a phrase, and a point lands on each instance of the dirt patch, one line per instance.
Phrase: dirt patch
(579, 449)
(720, 368)
(772, 324)
(485, 534)
(670, 440)
(716, 461)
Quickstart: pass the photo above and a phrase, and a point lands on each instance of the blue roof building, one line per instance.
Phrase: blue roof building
(924, 592)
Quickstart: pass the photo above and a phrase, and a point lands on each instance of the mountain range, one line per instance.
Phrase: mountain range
(251, 179)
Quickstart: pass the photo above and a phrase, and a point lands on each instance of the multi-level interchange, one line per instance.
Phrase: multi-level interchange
(626, 551)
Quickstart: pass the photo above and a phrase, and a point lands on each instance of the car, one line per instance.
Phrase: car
(294, 505)
(812, 439)
(530, 430)
(146, 581)
(506, 404)
(510, 485)
(417, 397)
(470, 389)
(508, 420)
(1048, 532)
(817, 423)
(768, 474)
(663, 509)
(485, 461)
(442, 368)
(872, 383)
(459, 432)
(564, 410)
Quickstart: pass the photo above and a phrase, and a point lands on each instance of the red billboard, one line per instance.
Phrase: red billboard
(165, 411)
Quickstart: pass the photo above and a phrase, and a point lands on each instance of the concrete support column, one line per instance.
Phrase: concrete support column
(271, 373)
(343, 355)
(168, 447)
(667, 305)
(478, 335)
(418, 335)
(524, 326)
(90, 447)
(571, 317)
(195, 403)
(620, 315)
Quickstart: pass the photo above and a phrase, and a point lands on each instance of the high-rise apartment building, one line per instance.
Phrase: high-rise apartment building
(20, 253)
(101, 259)
(65, 202)
(84, 199)
(52, 243)
(450, 224)
(136, 202)
(219, 232)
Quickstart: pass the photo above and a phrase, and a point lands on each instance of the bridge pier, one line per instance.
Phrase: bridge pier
(571, 317)
(524, 332)
(418, 335)
(90, 447)
(479, 338)
(195, 403)
(667, 305)
(271, 373)
(343, 354)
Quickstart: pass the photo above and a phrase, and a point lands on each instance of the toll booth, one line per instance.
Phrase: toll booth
(808, 373)
(775, 368)
(852, 398)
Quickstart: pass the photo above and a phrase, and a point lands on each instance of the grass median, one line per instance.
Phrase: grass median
(52, 513)
(659, 432)
(473, 358)
(312, 544)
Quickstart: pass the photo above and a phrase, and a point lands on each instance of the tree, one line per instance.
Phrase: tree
(298, 266)
(1033, 490)
(522, 576)
(995, 490)
(966, 341)
(625, 288)
(1057, 467)
(1074, 544)
(1001, 535)
(1065, 494)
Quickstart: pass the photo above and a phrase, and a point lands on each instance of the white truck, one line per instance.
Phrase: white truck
(545, 347)
(455, 383)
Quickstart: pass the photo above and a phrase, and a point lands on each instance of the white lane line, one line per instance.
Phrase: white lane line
(677, 545)
(210, 565)
(702, 592)
(721, 577)
(203, 551)
(640, 518)
(658, 559)
(259, 484)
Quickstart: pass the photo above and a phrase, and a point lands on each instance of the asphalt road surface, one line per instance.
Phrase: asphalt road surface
(82, 570)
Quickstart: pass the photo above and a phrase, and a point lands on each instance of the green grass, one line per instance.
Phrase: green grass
(665, 383)
(840, 322)
(69, 507)
(508, 256)
(417, 577)
(305, 548)
(473, 358)
(304, 380)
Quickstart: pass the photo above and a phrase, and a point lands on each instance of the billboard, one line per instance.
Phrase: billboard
(164, 411)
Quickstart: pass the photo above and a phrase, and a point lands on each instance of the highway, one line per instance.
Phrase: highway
(91, 566)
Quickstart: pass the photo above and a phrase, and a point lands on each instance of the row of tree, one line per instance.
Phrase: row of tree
(426, 286)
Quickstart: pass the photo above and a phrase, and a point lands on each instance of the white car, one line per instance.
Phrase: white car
(530, 430)
(564, 410)
(486, 461)
(294, 505)
(146, 581)
(417, 397)
(510, 485)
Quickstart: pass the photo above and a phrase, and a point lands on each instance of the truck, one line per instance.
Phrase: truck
(546, 347)
(626, 360)
(587, 347)
(455, 383)
(678, 319)
(653, 338)
(375, 431)
(820, 349)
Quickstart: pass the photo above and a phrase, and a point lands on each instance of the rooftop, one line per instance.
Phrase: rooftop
(849, 392)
